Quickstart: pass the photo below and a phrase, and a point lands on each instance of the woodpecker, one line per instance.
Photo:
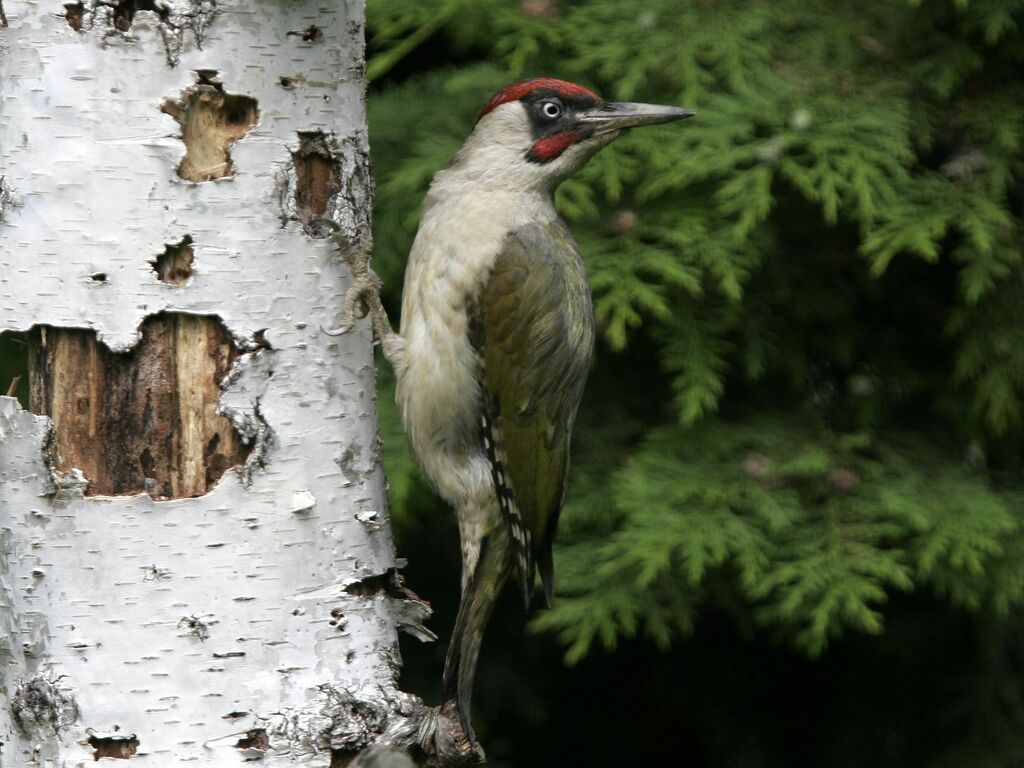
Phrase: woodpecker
(496, 338)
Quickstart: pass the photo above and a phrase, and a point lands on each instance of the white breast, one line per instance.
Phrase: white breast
(438, 394)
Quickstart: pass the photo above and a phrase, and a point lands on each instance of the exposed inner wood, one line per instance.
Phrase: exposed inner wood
(317, 175)
(141, 421)
(211, 121)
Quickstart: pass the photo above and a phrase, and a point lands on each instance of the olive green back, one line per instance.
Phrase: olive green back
(534, 329)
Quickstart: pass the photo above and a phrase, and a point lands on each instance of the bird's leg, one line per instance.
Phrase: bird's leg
(363, 297)
(443, 738)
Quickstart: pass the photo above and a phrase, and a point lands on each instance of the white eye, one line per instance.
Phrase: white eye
(551, 109)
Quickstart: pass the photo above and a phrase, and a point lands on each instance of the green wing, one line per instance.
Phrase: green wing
(534, 329)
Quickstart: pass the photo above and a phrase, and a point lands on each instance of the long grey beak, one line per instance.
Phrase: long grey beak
(616, 115)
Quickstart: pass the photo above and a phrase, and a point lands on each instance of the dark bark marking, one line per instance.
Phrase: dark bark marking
(255, 738)
(125, 10)
(410, 609)
(40, 705)
(121, 13)
(311, 34)
(114, 745)
(7, 198)
(195, 626)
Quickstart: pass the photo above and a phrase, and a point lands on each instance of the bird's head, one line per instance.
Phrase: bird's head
(536, 133)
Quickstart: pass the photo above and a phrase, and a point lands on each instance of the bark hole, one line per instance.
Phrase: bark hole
(318, 175)
(74, 12)
(389, 584)
(143, 421)
(125, 10)
(114, 745)
(317, 180)
(98, 277)
(289, 82)
(255, 738)
(174, 265)
(211, 121)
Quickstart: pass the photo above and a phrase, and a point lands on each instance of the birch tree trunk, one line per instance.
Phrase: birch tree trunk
(195, 560)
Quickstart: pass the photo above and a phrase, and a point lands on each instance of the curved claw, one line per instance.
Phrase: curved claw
(339, 331)
(357, 303)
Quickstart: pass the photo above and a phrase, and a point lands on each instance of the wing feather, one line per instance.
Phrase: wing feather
(534, 329)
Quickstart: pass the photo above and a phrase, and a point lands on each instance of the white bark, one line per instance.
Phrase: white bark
(190, 622)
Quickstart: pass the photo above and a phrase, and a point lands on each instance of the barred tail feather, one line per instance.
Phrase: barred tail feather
(478, 599)
(520, 538)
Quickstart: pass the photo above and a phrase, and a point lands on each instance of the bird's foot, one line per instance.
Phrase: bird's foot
(446, 742)
(363, 297)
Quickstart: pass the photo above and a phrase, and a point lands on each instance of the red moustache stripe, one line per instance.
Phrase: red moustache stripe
(547, 149)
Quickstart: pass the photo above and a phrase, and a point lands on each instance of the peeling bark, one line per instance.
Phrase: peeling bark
(7, 199)
(113, 21)
(224, 627)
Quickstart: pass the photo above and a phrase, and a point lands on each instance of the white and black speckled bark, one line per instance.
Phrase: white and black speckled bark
(232, 625)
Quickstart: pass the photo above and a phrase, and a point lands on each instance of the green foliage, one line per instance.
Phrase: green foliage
(808, 403)
(810, 528)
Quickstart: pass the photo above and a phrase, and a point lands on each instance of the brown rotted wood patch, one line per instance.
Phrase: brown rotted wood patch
(318, 175)
(144, 420)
